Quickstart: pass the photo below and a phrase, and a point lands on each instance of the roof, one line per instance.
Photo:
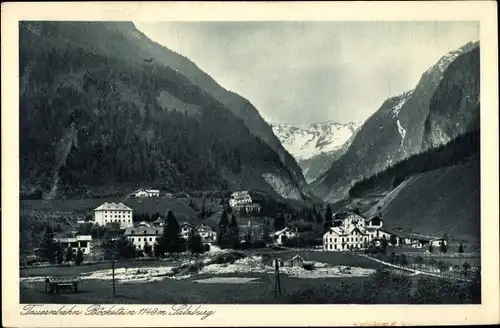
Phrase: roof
(281, 231)
(113, 206)
(144, 223)
(159, 220)
(375, 217)
(341, 232)
(204, 228)
(423, 237)
(240, 193)
(344, 214)
(139, 231)
(75, 238)
(186, 223)
(296, 257)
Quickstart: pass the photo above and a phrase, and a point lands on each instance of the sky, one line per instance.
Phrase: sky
(308, 72)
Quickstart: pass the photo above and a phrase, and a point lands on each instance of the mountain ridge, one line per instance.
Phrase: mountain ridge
(133, 122)
(396, 130)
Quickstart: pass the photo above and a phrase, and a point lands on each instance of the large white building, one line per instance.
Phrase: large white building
(143, 235)
(242, 200)
(77, 242)
(109, 213)
(239, 198)
(352, 231)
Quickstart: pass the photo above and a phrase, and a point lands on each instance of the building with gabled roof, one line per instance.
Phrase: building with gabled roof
(141, 236)
(109, 213)
(282, 235)
(351, 231)
(139, 193)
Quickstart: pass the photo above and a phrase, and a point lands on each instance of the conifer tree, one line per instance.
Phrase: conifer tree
(69, 254)
(328, 213)
(48, 246)
(170, 241)
(223, 223)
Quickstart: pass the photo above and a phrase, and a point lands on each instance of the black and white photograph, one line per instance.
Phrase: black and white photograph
(250, 162)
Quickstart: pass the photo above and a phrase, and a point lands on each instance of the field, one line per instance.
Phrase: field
(180, 207)
(260, 290)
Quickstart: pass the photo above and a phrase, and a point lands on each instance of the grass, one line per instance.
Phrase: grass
(177, 291)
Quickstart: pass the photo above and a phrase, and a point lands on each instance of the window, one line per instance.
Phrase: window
(150, 239)
(335, 246)
(138, 239)
(330, 246)
(156, 231)
(83, 244)
(335, 239)
(132, 231)
(83, 250)
(105, 220)
(144, 231)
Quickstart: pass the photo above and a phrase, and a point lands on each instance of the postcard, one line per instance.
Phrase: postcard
(249, 163)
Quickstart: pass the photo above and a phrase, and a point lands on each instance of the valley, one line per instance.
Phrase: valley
(137, 167)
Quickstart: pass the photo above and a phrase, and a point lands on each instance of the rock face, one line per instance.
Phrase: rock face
(316, 146)
(444, 104)
(103, 109)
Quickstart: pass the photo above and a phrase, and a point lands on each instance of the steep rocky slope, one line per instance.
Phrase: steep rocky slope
(103, 110)
(403, 123)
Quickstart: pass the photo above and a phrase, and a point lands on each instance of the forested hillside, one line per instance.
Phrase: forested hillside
(457, 151)
(95, 123)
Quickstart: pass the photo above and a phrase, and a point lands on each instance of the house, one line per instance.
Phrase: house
(109, 213)
(295, 261)
(352, 231)
(281, 236)
(186, 229)
(248, 208)
(141, 236)
(207, 234)
(240, 197)
(241, 200)
(139, 193)
(169, 195)
(160, 222)
(77, 242)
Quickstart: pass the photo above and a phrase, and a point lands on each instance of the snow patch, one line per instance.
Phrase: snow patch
(402, 132)
(226, 280)
(306, 141)
(283, 188)
(402, 100)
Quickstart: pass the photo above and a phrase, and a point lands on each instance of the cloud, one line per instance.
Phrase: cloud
(303, 72)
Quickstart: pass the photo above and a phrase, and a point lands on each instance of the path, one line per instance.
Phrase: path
(413, 270)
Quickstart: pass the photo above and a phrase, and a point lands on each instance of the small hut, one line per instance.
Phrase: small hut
(295, 261)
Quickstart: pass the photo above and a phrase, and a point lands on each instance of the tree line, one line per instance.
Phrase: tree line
(457, 151)
(118, 131)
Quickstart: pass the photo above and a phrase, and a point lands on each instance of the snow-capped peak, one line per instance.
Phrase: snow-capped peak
(308, 140)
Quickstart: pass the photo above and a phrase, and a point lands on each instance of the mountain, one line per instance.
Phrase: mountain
(316, 146)
(434, 192)
(103, 109)
(431, 113)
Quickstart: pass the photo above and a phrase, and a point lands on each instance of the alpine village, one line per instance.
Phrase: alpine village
(145, 181)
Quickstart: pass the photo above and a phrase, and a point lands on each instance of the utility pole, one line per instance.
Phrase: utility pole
(277, 283)
(113, 270)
